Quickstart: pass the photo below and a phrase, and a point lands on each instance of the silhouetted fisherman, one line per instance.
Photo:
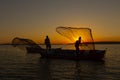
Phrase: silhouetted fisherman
(47, 43)
(77, 44)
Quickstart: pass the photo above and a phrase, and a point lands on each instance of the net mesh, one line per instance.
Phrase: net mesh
(73, 34)
(22, 43)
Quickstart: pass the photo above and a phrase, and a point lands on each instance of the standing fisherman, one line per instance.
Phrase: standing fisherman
(77, 44)
(47, 43)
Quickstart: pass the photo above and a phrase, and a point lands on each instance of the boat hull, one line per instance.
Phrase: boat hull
(69, 54)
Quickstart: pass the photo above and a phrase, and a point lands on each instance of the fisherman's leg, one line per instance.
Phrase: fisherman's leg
(77, 51)
(49, 47)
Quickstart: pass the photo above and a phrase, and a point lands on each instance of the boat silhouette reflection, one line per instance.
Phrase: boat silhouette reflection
(57, 69)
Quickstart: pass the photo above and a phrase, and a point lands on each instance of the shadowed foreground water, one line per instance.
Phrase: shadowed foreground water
(15, 64)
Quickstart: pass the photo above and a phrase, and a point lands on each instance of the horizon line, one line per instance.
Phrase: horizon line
(96, 42)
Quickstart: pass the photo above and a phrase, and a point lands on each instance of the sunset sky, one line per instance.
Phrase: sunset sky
(34, 19)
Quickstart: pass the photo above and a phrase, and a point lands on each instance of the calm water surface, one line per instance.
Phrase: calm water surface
(16, 64)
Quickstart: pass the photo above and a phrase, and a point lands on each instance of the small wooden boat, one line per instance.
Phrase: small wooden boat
(68, 54)
(87, 43)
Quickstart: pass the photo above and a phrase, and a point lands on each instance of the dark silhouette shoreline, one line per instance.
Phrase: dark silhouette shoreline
(108, 42)
(101, 42)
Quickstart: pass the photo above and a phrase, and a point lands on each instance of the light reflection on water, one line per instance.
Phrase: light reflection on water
(17, 65)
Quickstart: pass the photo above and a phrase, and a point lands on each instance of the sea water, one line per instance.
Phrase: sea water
(16, 64)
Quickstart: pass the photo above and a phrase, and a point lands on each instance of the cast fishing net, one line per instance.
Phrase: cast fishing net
(73, 34)
(23, 43)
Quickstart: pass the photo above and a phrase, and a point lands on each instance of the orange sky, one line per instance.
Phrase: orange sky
(34, 19)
